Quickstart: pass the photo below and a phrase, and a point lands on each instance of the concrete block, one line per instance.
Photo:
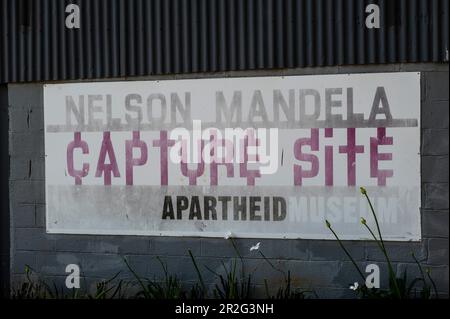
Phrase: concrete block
(21, 95)
(20, 168)
(331, 250)
(437, 85)
(102, 244)
(439, 274)
(438, 251)
(434, 169)
(182, 267)
(33, 239)
(29, 118)
(24, 215)
(305, 274)
(435, 115)
(435, 223)
(101, 265)
(21, 259)
(435, 195)
(138, 264)
(40, 215)
(26, 144)
(397, 251)
(434, 142)
(174, 246)
(51, 263)
(271, 248)
(30, 192)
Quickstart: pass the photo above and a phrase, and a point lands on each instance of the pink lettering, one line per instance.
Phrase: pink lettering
(250, 174)
(102, 167)
(216, 143)
(313, 142)
(164, 143)
(351, 149)
(192, 174)
(375, 156)
(77, 143)
(136, 142)
(329, 159)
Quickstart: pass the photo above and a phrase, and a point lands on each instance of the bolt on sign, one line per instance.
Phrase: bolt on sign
(258, 157)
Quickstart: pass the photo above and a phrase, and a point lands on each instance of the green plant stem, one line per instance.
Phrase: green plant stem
(200, 278)
(141, 283)
(272, 265)
(240, 257)
(391, 271)
(428, 275)
(374, 237)
(348, 254)
(383, 248)
(420, 267)
(434, 285)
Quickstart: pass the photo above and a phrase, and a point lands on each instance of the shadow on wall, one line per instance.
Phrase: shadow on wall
(4, 194)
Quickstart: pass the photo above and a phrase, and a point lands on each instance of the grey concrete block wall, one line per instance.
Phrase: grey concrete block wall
(4, 194)
(320, 265)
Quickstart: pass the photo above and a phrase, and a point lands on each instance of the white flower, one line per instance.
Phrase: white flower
(228, 235)
(255, 247)
(354, 286)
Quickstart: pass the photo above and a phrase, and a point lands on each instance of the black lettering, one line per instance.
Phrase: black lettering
(195, 210)
(182, 204)
(168, 208)
(224, 200)
(254, 207)
(279, 208)
(210, 203)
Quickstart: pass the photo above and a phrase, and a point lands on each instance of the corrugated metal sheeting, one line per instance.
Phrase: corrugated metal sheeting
(120, 38)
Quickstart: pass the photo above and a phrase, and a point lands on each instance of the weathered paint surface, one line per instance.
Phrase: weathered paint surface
(111, 151)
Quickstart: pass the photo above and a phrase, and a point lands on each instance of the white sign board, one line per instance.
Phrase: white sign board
(259, 157)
